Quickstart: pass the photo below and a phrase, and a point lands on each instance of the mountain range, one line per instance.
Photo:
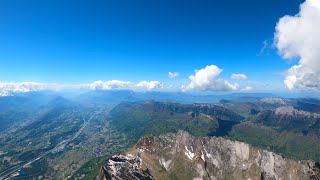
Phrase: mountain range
(74, 136)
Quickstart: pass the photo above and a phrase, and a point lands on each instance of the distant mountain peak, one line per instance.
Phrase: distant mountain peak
(291, 111)
(274, 100)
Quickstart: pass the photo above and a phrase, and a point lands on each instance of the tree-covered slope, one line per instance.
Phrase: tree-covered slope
(150, 117)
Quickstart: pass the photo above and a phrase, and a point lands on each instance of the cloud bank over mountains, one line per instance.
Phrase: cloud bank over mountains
(107, 85)
(7, 88)
(299, 37)
(206, 79)
(116, 84)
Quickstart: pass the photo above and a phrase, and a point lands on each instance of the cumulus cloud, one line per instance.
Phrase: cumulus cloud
(116, 84)
(238, 76)
(172, 75)
(302, 78)
(299, 37)
(206, 79)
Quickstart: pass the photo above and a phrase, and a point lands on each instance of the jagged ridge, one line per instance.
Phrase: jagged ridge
(182, 156)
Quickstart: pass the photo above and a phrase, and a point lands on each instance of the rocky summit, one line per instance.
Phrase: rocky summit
(182, 156)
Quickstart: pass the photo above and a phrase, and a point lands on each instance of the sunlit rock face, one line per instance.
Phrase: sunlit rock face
(183, 156)
(288, 118)
(273, 100)
(124, 167)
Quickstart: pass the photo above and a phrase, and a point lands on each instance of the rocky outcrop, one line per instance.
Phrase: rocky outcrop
(182, 156)
(288, 118)
(124, 167)
(273, 100)
(290, 111)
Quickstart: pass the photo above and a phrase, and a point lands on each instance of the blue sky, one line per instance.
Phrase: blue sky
(71, 42)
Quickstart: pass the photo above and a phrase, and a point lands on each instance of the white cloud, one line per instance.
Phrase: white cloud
(172, 75)
(7, 88)
(299, 36)
(206, 79)
(149, 84)
(116, 84)
(20, 87)
(238, 76)
(266, 47)
(113, 84)
(302, 78)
